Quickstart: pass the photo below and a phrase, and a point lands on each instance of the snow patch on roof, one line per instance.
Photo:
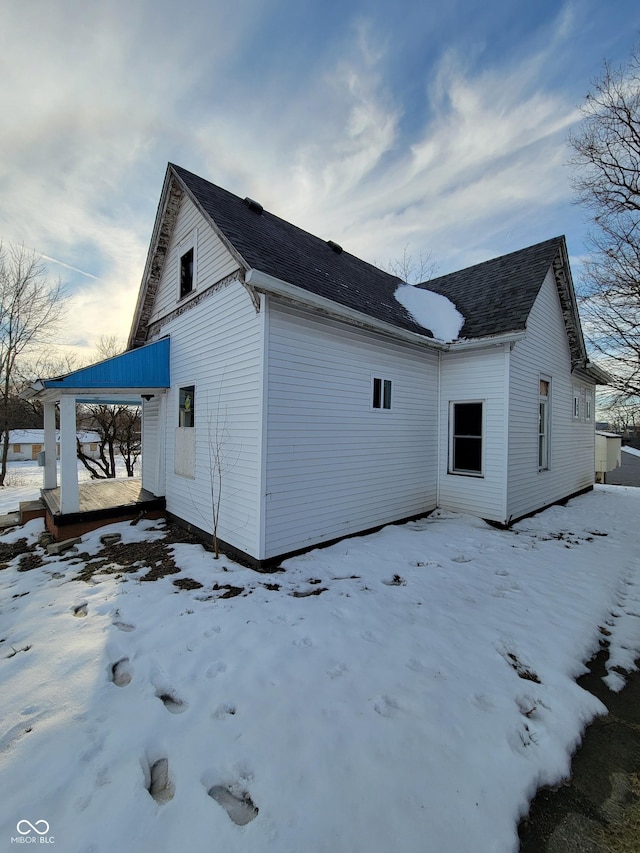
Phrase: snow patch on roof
(431, 311)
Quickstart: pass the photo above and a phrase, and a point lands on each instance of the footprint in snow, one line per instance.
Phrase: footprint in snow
(223, 711)
(386, 706)
(338, 670)
(369, 636)
(81, 609)
(173, 703)
(123, 626)
(121, 672)
(482, 701)
(161, 787)
(240, 807)
(303, 642)
(216, 669)
(416, 665)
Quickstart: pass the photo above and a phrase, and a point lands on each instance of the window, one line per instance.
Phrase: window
(587, 406)
(187, 411)
(17, 448)
(465, 452)
(381, 398)
(93, 446)
(186, 273)
(576, 404)
(543, 425)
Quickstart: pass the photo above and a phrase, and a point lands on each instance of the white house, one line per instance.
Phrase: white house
(26, 444)
(294, 371)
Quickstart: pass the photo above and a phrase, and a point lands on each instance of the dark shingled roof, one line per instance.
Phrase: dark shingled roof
(494, 297)
(278, 248)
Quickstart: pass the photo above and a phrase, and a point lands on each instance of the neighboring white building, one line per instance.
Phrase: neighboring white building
(329, 407)
(26, 444)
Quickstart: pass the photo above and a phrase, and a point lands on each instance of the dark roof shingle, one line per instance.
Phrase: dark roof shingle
(497, 296)
(494, 297)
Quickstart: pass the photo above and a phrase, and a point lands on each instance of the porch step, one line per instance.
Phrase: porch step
(31, 509)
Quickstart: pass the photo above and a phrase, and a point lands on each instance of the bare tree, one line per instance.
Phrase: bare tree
(606, 159)
(117, 425)
(31, 309)
(412, 269)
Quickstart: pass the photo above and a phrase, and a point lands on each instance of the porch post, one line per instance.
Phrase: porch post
(50, 466)
(69, 495)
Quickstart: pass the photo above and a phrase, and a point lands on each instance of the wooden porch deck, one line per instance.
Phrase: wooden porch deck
(100, 502)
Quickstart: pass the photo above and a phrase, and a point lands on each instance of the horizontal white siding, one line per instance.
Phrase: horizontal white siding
(150, 448)
(217, 348)
(213, 259)
(545, 350)
(475, 376)
(334, 465)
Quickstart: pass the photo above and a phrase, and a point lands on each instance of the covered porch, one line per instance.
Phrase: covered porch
(100, 502)
(71, 507)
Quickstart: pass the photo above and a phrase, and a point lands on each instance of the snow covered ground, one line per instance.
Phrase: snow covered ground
(402, 691)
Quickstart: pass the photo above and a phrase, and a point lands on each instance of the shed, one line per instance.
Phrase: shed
(608, 450)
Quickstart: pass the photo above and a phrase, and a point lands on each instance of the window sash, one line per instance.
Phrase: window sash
(186, 272)
(544, 424)
(381, 394)
(186, 406)
(466, 438)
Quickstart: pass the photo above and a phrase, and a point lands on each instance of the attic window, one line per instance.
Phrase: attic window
(186, 273)
(253, 205)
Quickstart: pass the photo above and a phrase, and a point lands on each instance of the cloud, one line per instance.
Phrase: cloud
(344, 140)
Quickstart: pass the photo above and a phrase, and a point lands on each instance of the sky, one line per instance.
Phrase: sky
(386, 126)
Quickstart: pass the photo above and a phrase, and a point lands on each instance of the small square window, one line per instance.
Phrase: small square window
(186, 273)
(17, 448)
(381, 393)
(186, 415)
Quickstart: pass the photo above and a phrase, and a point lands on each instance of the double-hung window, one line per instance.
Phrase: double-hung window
(465, 446)
(543, 424)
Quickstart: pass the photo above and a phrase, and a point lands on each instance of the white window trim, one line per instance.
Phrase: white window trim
(189, 242)
(547, 434)
(186, 384)
(576, 408)
(588, 407)
(382, 379)
(461, 472)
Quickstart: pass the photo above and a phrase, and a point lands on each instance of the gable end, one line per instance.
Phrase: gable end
(569, 308)
(165, 222)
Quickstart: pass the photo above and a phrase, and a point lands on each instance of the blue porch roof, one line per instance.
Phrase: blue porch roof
(138, 370)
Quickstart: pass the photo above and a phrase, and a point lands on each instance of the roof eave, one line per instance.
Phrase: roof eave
(487, 341)
(265, 283)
